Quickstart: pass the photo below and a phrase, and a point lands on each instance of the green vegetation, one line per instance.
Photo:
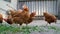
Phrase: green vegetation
(5, 29)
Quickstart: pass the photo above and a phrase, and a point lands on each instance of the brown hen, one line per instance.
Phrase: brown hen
(49, 18)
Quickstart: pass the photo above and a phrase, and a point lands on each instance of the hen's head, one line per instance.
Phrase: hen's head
(25, 8)
(45, 13)
(33, 14)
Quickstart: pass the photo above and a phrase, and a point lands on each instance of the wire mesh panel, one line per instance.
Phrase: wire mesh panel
(41, 6)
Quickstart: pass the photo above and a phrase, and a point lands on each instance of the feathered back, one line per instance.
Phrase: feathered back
(17, 13)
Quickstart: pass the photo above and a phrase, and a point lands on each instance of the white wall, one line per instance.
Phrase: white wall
(3, 5)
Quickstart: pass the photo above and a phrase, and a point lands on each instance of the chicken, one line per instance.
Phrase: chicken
(24, 13)
(32, 15)
(9, 20)
(1, 18)
(22, 17)
(49, 18)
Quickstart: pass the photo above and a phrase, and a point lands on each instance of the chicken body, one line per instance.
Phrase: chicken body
(49, 18)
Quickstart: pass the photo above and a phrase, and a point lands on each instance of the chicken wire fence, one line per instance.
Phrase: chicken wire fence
(40, 6)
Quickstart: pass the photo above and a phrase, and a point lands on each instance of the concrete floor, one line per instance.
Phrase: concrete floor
(42, 22)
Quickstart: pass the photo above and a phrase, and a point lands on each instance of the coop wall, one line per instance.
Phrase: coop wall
(41, 6)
